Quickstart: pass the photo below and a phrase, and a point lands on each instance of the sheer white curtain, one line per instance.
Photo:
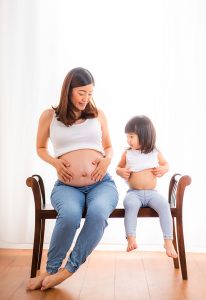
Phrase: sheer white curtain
(148, 57)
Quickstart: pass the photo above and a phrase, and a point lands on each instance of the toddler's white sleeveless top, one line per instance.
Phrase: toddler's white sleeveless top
(137, 161)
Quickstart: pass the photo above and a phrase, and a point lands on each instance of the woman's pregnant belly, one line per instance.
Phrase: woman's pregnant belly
(143, 180)
(81, 165)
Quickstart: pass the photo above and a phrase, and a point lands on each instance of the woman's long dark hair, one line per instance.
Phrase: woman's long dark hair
(144, 128)
(77, 77)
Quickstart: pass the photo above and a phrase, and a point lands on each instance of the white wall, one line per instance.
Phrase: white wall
(148, 57)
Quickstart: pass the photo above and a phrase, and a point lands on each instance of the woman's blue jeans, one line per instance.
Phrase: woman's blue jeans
(99, 199)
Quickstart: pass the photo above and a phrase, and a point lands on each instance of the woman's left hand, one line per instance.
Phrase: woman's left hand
(101, 168)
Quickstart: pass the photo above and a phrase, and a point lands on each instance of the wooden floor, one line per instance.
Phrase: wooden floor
(109, 275)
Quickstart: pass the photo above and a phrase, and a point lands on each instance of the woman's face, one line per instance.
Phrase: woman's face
(133, 140)
(80, 96)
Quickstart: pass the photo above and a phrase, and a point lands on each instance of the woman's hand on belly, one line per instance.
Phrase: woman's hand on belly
(63, 169)
(81, 166)
(101, 165)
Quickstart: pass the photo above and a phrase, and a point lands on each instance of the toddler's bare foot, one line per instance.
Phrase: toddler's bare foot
(36, 282)
(132, 244)
(170, 250)
(55, 279)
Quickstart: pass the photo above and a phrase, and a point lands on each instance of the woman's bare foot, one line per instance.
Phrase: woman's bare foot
(132, 244)
(36, 282)
(170, 250)
(55, 279)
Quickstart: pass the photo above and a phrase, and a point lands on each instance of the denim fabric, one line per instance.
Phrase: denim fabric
(100, 199)
(143, 198)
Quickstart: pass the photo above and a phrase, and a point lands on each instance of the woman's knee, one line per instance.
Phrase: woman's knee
(69, 218)
(97, 218)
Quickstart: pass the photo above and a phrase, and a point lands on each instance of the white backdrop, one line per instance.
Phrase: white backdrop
(148, 57)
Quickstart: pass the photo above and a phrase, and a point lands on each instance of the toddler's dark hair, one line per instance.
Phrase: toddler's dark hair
(143, 127)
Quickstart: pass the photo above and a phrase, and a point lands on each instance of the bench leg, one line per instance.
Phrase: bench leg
(175, 260)
(181, 247)
(41, 243)
(35, 255)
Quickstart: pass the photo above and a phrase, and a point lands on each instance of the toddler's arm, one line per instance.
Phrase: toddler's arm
(121, 169)
(163, 166)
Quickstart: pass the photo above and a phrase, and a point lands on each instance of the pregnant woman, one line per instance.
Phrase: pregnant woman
(82, 153)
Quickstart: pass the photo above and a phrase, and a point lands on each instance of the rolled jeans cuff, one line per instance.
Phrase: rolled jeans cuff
(168, 237)
(51, 270)
(70, 267)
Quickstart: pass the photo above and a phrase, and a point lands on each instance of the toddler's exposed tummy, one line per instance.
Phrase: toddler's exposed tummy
(143, 180)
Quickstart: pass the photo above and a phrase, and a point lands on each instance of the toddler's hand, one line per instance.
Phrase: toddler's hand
(159, 171)
(124, 173)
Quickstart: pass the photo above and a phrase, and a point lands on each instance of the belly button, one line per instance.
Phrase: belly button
(84, 175)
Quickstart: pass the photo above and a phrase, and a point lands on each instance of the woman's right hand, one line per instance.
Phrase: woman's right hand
(123, 172)
(62, 167)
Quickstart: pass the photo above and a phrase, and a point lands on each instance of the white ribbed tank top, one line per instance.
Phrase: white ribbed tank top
(86, 135)
(137, 161)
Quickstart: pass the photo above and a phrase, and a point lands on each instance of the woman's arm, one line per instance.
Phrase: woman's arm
(106, 141)
(42, 146)
(103, 163)
(43, 137)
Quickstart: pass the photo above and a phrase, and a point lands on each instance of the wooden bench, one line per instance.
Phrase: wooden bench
(44, 211)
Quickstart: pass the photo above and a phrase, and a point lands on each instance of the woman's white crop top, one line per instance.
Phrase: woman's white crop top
(86, 135)
(137, 161)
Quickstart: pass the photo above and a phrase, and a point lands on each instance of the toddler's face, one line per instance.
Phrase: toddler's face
(133, 140)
